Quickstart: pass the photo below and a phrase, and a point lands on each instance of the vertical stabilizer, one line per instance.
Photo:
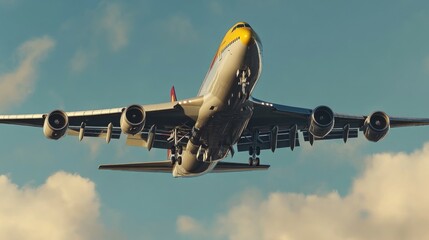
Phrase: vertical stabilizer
(173, 94)
(173, 98)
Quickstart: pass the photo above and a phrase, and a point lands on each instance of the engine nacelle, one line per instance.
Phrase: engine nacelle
(376, 126)
(321, 121)
(133, 119)
(55, 125)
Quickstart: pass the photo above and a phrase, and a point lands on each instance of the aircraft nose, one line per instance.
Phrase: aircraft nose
(246, 36)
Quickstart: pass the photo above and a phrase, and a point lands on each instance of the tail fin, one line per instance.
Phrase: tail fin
(173, 94)
(173, 98)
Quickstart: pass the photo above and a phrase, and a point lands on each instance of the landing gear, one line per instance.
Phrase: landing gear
(243, 76)
(203, 154)
(254, 161)
(254, 156)
(176, 154)
(254, 151)
(176, 150)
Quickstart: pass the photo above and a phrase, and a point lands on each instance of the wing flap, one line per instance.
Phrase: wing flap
(334, 134)
(264, 140)
(100, 132)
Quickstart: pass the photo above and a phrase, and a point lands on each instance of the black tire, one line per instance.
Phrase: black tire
(258, 151)
(179, 160)
(251, 151)
(257, 161)
(250, 161)
(173, 160)
(173, 150)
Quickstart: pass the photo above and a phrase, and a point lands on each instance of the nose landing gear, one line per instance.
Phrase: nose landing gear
(243, 76)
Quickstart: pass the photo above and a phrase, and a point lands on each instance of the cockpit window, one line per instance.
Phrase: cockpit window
(241, 26)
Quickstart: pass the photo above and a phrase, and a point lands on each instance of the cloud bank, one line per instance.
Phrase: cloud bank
(15, 86)
(65, 207)
(388, 201)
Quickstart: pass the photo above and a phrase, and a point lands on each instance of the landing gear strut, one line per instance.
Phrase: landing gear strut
(243, 76)
(176, 150)
(203, 154)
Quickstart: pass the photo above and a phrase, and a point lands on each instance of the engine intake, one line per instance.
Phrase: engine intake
(55, 125)
(133, 119)
(321, 121)
(376, 126)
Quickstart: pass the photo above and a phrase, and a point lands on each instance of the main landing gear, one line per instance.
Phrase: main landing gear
(176, 150)
(254, 156)
(176, 154)
(243, 76)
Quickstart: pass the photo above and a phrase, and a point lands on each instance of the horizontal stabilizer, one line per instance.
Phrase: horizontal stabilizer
(166, 167)
(161, 166)
(237, 167)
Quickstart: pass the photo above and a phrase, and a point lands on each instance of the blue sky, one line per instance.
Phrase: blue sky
(356, 57)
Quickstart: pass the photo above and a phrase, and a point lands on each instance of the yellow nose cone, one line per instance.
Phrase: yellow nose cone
(245, 36)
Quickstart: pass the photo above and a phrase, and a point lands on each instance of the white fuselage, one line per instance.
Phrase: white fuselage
(226, 110)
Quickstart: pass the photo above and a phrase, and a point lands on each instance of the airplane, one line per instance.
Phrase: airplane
(200, 132)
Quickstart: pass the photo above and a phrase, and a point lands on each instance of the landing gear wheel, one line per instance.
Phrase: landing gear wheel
(250, 161)
(173, 150)
(173, 160)
(179, 160)
(251, 151)
(256, 162)
(258, 151)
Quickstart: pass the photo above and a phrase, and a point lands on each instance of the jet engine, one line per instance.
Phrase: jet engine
(133, 119)
(376, 126)
(321, 121)
(55, 125)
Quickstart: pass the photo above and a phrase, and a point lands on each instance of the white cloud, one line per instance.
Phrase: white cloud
(180, 28)
(94, 145)
(187, 225)
(80, 61)
(115, 25)
(110, 25)
(65, 207)
(388, 201)
(15, 86)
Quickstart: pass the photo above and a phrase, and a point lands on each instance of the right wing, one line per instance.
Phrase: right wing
(285, 122)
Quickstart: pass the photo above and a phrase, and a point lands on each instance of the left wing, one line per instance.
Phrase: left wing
(106, 123)
(276, 126)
